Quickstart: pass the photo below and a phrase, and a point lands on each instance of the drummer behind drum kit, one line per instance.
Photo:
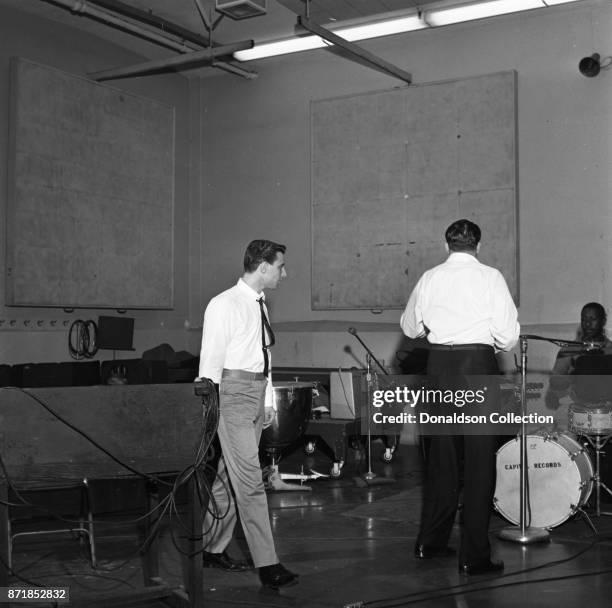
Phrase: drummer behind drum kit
(560, 471)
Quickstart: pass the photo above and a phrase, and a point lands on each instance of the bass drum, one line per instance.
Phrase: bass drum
(559, 479)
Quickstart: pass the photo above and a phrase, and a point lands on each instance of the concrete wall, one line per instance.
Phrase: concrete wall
(35, 335)
(256, 170)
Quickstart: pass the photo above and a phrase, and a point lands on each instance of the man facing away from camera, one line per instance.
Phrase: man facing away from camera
(467, 313)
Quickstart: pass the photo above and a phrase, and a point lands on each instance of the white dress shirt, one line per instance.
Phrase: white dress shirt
(462, 301)
(231, 334)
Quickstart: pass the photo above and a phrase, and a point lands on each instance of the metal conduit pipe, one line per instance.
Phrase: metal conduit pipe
(148, 18)
(81, 7)
(84, 8)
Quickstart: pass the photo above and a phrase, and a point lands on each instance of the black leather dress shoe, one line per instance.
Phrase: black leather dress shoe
(486, 567)
(224, 562)
(277, 576)
(425, 552)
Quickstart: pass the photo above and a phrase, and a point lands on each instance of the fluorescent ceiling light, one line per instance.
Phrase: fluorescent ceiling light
(431, 18)
(480, 10)
(381, 28)
(307, 43)
(281, 47)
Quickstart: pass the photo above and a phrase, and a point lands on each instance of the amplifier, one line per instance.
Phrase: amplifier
(7, 376)
(347, 394)
(68, 373)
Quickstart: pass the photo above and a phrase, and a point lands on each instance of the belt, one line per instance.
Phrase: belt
(461, 347)
(239, 374)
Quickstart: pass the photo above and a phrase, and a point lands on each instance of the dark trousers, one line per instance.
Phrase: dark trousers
(453, 459)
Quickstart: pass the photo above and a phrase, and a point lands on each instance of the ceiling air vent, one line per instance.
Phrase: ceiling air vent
(241, 9)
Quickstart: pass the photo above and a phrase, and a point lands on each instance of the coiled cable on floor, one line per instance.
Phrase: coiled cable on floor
(82, 338)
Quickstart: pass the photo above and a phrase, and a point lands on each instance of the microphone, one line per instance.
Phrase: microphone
(352, 331)
(592, 346)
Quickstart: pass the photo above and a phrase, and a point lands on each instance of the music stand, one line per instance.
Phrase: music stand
(115, 333)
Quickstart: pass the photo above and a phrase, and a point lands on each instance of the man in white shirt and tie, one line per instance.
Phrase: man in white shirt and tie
(466, 311)
(235, 355)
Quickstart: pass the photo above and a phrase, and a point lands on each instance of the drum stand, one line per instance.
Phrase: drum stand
(598, 443)
(524, 534)
(275, 480)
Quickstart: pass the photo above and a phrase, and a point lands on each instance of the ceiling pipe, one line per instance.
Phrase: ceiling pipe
(160, 23)
(81, 7)
(234, 69)
(189, 60)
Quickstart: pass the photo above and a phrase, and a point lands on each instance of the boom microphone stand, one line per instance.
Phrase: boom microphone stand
(524, 534)
(370, 477)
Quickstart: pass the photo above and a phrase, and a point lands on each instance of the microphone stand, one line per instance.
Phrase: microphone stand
(370, 474)
(353, 332)
(370, 477)
(524, 534)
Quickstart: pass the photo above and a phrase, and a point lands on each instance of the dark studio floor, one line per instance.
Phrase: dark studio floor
(351, 543)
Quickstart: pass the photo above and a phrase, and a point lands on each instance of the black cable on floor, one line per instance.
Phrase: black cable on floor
(463, 588)
(433, 596)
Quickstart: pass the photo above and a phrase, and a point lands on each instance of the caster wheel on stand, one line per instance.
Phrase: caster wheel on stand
(336, 470)
(309, 448)
(387, 455)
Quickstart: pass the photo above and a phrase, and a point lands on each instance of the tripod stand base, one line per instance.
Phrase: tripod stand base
(371, 479)
(527, 536)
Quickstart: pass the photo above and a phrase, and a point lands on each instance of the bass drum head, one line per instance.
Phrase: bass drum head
(559, 480)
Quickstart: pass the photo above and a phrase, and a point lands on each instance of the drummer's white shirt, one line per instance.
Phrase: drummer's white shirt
(462, 301)
(231, 335)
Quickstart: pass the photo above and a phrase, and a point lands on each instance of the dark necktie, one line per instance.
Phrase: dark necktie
(265, 327)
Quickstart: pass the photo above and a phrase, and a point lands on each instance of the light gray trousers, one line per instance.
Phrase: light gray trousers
(241, 412)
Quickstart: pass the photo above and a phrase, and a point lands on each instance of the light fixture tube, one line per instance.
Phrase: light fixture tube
(352, 34)
(282, 47)
(433, 18)
(480, 10)
(553, 2)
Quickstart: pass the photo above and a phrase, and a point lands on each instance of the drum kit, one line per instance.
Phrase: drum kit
(560, 479)
(595, 425)
(560, 476)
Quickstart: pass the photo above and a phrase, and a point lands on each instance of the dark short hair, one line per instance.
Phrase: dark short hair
(259, 251)
(462, 235)
(598, 308)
